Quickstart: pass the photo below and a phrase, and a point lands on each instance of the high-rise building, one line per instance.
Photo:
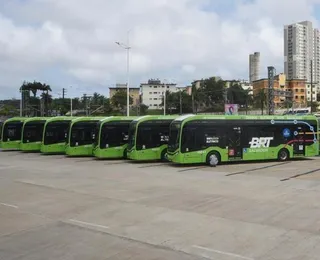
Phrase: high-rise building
(301, 48)
(254, 66)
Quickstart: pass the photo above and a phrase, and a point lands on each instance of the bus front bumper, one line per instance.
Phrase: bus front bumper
(14, 145)
(175, 157)
(85, 150)
(109, 153)
(59, 148)
(31, 147)
(144, 155)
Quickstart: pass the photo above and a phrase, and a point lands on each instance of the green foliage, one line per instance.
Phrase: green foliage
(237, 95)
(119, 100)
(177, 102)
(9, 110)
(260, 100)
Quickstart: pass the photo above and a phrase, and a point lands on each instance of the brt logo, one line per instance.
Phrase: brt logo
(258, 142)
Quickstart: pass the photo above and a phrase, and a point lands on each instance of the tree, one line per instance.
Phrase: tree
(119, 100)
(260, 99)
(237, 95)
(9, 110)
(177, 102)
(34, 87)
(213, 92)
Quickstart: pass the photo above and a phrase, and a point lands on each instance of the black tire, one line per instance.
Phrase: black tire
(125, 156)
(164, 156)
(209, 158)
(283, 155)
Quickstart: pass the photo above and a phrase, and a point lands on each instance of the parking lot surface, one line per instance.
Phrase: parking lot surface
(54, 207)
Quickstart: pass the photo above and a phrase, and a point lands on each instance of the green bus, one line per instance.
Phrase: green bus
(148, 138)
(11, 133)
(111, 138)
(81, 136)
(1, 124)
(215, 139)
(55, 135)
(32, 134)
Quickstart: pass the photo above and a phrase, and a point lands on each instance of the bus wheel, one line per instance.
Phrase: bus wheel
(213, 159)
(164, 156)
(283, 155)
(125, 154)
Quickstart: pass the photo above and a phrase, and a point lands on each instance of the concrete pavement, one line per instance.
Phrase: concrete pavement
(52, 207)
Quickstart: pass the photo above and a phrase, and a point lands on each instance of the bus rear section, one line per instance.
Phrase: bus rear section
(148, 140)
(11, 134)
(32, 134)
(81, 138)
(55, 136)
(112, 141)
(243, 139)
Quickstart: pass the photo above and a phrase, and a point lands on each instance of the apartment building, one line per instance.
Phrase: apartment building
(302, 51)
(152, 92)
(281, 84)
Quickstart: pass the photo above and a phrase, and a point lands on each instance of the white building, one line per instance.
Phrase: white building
(152, 92)
(301, 46)
(254, 66)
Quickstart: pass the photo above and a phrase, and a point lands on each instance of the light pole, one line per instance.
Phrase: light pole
(164, 97)
(127, 47)
(70, 103)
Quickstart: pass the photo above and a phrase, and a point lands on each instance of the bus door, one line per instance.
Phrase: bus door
(191, 143)
(299, 141)
(234, 143)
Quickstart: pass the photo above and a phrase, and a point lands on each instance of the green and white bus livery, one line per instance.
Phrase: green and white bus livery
(32, 134)
(205, 139)
(11, 133)
(81, 136)
(148, 138)
(55, 135)
(111, 138)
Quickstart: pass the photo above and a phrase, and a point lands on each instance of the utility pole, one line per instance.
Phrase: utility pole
(192, 100)
(180, 103)
(63, 93)
(311, 83)
(85, 103)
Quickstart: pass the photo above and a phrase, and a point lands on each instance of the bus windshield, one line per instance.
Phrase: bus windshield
(33, 131)
(83, 133)
(132, 133)
(114, 134)
(152, 134)
(174, 135)
(56, 132)
(12, 131)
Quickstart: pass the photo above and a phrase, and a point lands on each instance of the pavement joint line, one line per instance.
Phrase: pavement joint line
(153, 165)
(222, 252)
(9, 205)
(88, 224)
(192, 169)
(256, 169)
(300, 174)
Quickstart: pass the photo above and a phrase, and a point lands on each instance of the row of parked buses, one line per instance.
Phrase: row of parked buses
(181, 139)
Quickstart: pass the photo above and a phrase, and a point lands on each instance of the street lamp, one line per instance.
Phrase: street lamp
(127, 47)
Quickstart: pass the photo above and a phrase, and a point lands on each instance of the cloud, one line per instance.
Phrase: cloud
(181, 40)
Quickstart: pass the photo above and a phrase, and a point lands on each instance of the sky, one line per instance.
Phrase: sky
(71, 43)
